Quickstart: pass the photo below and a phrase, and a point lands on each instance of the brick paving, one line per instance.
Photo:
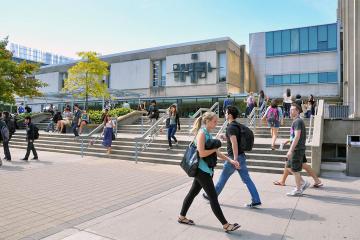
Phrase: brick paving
(43, 197)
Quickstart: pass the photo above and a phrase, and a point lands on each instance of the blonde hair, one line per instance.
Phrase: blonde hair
(206, 117)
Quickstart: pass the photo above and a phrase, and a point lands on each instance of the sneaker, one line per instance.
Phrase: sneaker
(281, 147)
(294, 193)
(305, 186)
(24, 159)
(205, 196)
(253, 205)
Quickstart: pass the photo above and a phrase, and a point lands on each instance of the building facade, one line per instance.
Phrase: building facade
(349, 18)
(211, 67)
(21, 53)
(306, 60)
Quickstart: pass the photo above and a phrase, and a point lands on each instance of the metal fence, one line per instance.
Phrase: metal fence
(337, 111)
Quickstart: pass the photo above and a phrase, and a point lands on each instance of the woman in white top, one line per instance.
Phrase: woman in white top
(287, 103)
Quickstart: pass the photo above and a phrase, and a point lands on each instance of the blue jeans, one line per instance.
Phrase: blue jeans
(229, 169)
(171, 133)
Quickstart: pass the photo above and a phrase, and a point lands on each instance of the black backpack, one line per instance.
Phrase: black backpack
(36, 132)
(11, 126)
(246, 137)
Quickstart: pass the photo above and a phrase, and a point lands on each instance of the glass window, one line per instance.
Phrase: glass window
(313, 78)
(332, 77)
(163, 72)
(323, 77)
(285, 41)
(295, 78)
(332, 36)
(269, 80)
(322, 33)
(269, 44)
(295, 40)
(156, 71)
(304, 78)
(222, 67)
(313, 39)
(304, 40)
(277, 79)
(286, 79)
(277, 43)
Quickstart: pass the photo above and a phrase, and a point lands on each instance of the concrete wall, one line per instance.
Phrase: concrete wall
(130, 75)
(291, 64)
(52, 79)
(233, 70)
(335, 131)
(208, 56)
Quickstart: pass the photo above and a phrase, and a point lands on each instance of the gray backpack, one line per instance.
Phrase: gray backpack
(5, 133)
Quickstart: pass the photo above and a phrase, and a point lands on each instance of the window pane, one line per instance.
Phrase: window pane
(295, 40)
(304, 78)
(285, 41)
(322, 77)
(304, 40)
(313, 78)
(269, 43)
(277, 80)
(286, 79)
(332, 77)
(269, 80)
(163, 72)
(222, 67)
(322, 33)
(313, 39)
(295, 78)
(332, 36)
(277, 43)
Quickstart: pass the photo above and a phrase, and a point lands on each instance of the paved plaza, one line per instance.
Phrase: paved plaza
(64, 196)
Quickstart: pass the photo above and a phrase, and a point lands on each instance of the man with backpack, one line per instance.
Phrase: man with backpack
(239, 139)
(75, 122)
(4, 135)
(32, 133)
(273, 115)
(10, 124)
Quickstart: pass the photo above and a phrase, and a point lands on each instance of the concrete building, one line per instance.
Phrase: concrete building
(213, 67)
(349, 17)
(306, 60)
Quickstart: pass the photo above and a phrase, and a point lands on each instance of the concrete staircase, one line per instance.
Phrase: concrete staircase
(260, 159)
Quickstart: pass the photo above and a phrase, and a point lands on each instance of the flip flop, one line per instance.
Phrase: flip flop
(186, 221)
(317, 185)
(277, 183)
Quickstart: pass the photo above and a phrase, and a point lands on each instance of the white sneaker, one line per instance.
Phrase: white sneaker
(281, 146)
(294, 193)
(305, 185)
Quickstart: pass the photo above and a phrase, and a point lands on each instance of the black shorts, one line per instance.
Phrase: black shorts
(295, 163)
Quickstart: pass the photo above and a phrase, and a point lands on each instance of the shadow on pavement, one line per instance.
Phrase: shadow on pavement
(340, 190)
(336, 200)
(11, 168)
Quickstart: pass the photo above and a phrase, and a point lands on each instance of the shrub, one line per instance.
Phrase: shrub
(95, 115)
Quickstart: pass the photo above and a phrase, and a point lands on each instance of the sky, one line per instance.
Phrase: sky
(66, 27)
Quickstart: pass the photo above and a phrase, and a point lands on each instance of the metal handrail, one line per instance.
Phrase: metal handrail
(199, 112)
(152, 133)
(311, 131)
(222, 129)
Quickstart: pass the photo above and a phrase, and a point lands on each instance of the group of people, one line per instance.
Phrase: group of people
(235, 160)
(77, 120)
(8, 128)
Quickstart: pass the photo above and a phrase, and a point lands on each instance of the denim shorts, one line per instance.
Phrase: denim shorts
(276, 124)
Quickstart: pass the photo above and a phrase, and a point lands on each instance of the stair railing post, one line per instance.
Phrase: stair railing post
(142, 125)
(136, 151)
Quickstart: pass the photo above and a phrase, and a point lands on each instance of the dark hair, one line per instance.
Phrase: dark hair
(28, 118)
(288, 92)
(298, 108)
(262, 94)
(173, 106)
(298, 96)
(6, 114)
(233, 111)
(228, 95)
(76, 105)
(153, 101)
(273, 103)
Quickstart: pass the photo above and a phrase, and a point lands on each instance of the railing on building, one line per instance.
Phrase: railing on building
(337, 111)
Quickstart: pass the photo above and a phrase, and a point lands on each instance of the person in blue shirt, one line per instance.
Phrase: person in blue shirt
(21, 108)
(203, 178)
(227, 102)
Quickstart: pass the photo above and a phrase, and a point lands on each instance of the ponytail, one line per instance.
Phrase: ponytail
(197, 125)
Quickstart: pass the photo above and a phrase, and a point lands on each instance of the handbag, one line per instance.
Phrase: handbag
(167, 123)
(112, 136)
(190, 161)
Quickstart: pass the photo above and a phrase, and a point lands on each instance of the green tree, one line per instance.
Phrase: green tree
(85, 78)
(17, 78)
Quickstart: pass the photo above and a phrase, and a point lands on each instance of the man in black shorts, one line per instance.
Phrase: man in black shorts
(296, 153)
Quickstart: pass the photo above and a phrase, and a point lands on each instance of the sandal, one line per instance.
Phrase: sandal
(278, 183)
(231, 227)
(317, 185)
(186, 221)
